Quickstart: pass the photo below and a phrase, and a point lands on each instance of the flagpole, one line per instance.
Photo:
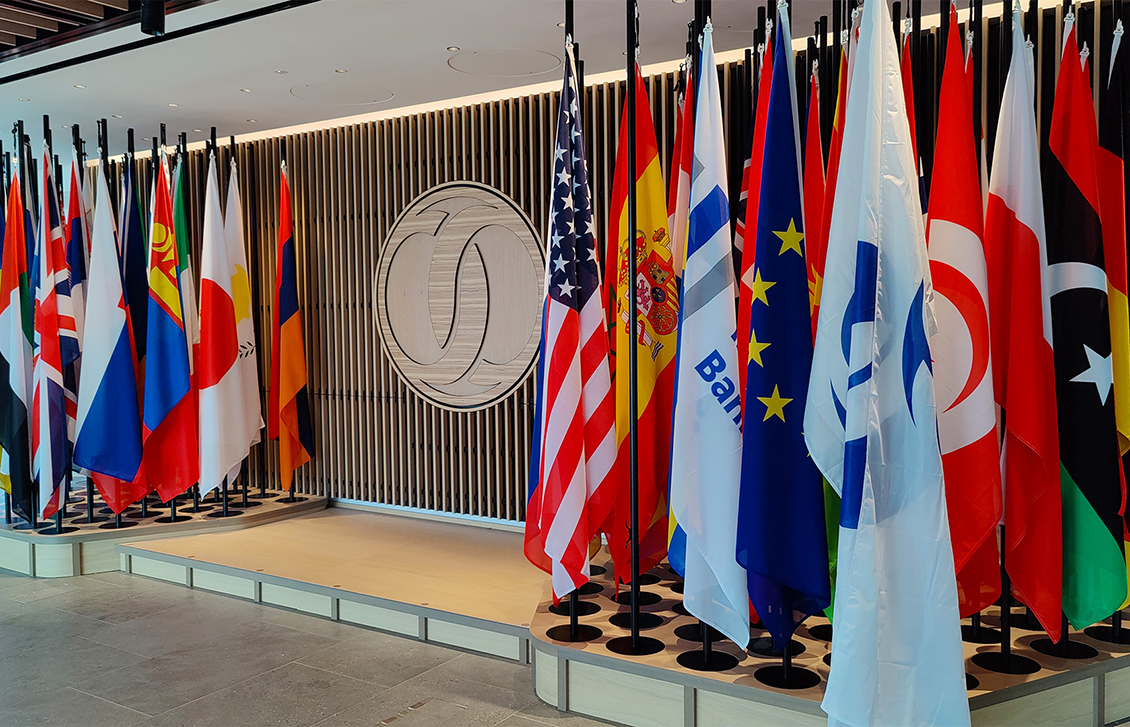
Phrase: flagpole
(7, 177)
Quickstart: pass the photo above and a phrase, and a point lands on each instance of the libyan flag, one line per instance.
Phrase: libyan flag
(1094, 571)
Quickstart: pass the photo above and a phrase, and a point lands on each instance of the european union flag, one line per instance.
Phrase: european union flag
(782, 542)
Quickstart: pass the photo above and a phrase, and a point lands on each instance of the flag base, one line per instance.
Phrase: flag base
(645, 620)
(796, 678)
(764, 647)
(821, 631)
(221, 513)
(693, 632)
(584, 633)
(717, 661)
(647, 579)
(624, 598)
(644, 646)
(118, 525)
(590, 589)
(971, 682)
(1107, 634)
(597, 570)
(1065, 648)
(584, 608)
(828, 659)
(83, 519)
(677, 587)
(1015, 664)
(680, 609)
(982, 635)
(173, 519)
(59, 530)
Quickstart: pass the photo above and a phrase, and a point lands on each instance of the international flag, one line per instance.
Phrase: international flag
(56, 349)
(656, 290)
(1020, 324)
(108, 442)
(1112, 191)
(1094, 567)
(187, 282)
(573, 466)
(241, 298)
(289, 420)
(813, 194)
(707, 442)
(963, 382)
(907, 71)
(679, 199)
(750, 286)
(756, 141)
(171, 459)
(135, 261)
(871, 427)
(16, 331)
(223, 432)
(78, 244)
(781, 536)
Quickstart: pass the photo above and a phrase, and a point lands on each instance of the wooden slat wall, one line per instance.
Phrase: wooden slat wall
(375, 440)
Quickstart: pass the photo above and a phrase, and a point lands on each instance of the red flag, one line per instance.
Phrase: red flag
(814, 195)
(816, 247)
(908, 96)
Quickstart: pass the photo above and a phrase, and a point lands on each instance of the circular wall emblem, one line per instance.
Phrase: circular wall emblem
(459, 287)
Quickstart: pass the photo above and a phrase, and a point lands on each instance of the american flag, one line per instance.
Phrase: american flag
(574, 450)
(56, 350)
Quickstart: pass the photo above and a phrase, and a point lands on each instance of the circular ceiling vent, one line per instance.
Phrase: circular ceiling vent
(504, 62)
(354, 92)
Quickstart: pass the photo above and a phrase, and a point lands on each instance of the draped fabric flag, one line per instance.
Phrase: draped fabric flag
(678, 216)
(56, 349)
(813, 196)
(1094, 567)
(223, 431)
(750, 286)
(134, 261)
(963, 383)
(653, 334)
(16, 331)
(186, 280)
(707, 448)
(1020, 324)
(573, 467)
(244, 323)
(1112, 192)
(169, 411)
(77, 234)
(781, 538)
(290, 401)
(756, 130)
(908, 87)
(108, 442)
(870, 423)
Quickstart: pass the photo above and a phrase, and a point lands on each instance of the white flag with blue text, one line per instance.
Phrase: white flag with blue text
(706, 451)
(871, 423)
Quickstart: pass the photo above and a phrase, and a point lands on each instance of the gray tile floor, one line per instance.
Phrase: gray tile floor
(116, 650)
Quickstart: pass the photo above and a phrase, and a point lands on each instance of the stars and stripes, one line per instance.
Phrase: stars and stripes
(575, 440)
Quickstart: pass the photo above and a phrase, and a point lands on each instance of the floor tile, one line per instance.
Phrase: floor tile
(157, 685)
(380, 658)
(310, 624)
(290, 696)
(114, 603)
(485, 670)
(69, 708)
(543, 714)
(34, 669)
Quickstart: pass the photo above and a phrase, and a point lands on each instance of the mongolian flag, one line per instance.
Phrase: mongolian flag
(781, 537)
(56, 349)
(1094, 567)
(963, 382)
(653, 334)
(134, 261)
(16, 331)
(289, 419)
(750, 285)
(1020, 324)
(169, 411)
(108, 442)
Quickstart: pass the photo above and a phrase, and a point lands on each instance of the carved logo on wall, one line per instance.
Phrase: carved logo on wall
(459, 287)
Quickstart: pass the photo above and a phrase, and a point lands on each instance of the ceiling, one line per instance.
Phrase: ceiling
(24, 22)
(340, 58)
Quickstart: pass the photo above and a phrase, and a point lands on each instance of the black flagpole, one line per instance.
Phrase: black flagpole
(7, 178)
(633, 362)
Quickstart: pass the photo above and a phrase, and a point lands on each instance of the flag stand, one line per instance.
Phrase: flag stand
(1113, 634)
(633, 644)
(1065, 648)
(1004, 661)
(706, 658)
(575, 632)
(224, 511)
(172, 517)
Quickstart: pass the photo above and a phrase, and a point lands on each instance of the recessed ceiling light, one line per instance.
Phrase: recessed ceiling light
(281, 72)
(197, 131)
(79, 85)
(116, 116)
(25, 100)
(173, 105)
(251, 121)
(678, 2)
(245, 90)
(66, 126)
(561, 25)
(453, 48)
(341, 70)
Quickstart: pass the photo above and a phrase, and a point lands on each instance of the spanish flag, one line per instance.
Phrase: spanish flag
(289, 401)
(653, 334)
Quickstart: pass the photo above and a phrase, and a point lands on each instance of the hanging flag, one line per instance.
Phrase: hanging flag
(244, 323)
(1094, 568)
(707, 443)
(653, 334)
(134, 261)
(574, 462)
(870, 422)
(908, 86)
(813, 194)
(171, 459)
(290, 402)
(679, 214)
(186, 281)
(16, 331)
(963, 386)
(750, 287)
(108, 442)
(77, 235)
(223, 432)
(754, 131)
(1020, 324)
(781, 536)
(56, 348)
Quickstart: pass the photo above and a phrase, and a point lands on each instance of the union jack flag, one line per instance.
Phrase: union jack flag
(574, 451)
(56, 349)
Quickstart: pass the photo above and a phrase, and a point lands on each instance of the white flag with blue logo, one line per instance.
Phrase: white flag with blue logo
(706, 453)
(871, 423)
